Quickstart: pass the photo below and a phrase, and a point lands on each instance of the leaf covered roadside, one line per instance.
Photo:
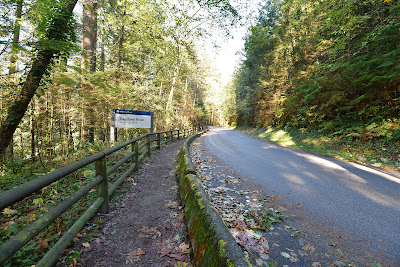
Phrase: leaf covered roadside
(271, 229)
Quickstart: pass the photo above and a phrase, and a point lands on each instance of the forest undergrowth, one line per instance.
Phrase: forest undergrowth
(23, 213)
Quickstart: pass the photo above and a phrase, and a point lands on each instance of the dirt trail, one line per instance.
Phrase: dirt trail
(146, 226)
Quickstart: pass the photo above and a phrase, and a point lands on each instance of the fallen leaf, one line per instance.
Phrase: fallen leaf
(309, 247)
(166, 250)
(182, 264)
(74, 264)
(7, 225)
(133, 255)
(172, 204)
(286, 255)
(8, 211)
(177, 256)
(43, 245)
(149, 232)
(139, 251)
(302, 253)
(130, 179)
(86, 244)
(183, 247)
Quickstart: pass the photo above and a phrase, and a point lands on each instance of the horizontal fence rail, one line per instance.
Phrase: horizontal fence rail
(140, 148)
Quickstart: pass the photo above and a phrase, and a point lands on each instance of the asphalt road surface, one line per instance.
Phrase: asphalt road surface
(363, 201)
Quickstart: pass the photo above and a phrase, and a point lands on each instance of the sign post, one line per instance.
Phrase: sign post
(122, 118)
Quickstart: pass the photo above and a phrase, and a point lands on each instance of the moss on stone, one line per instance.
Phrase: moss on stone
(221, 245)
(248, 262)
(208, 250)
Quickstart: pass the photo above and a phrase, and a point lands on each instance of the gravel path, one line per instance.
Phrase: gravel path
(145, 227)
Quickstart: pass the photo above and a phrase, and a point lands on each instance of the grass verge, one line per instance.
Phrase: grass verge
(381, 153)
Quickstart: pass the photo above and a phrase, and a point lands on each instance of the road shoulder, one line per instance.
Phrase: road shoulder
(303, 238)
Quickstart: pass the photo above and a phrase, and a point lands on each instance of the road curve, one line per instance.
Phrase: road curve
(361, 200)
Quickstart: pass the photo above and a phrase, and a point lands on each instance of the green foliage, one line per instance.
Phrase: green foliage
(148, 62)
(23, 213)
(55, 27)
(353, 142)
(264, 219)
(330, 65)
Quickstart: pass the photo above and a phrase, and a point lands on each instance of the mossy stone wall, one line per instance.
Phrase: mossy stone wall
(212, 243)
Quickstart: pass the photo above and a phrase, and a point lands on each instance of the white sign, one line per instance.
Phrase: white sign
(121, 118)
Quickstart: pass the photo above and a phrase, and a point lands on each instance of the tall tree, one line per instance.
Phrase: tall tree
(89, 47)
(14, 57)
(59, 30)
(15, 43)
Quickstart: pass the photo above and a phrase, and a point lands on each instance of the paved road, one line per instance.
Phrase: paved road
(361, 200)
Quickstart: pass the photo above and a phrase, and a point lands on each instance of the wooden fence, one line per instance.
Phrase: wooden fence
(140, 148)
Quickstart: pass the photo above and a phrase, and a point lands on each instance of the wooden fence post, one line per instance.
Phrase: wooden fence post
(136, 156)
(102, 187)
(159, 140)
(149, 145)
(179, 137)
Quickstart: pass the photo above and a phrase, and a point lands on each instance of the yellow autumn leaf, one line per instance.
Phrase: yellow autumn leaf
(8, 211)
(386, 1)
(86, 244)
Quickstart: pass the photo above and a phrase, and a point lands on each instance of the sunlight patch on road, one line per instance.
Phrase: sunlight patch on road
(293, 178)
(377, 197)
(376, 172)
(321, 162)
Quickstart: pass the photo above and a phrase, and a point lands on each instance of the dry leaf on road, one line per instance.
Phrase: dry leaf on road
(183, 247)
(133, 255)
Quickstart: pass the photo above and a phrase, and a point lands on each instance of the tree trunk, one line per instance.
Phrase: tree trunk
(89, 35)
(13, 61)
(17, 30)
(89, 46)
(120, 47)
(21, 143)
(39, 69)
(51, 152)
(32, 129)
(171, 92)
(102, 57)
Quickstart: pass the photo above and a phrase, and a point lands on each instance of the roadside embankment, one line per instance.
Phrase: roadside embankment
(375, 152)
(212, 243)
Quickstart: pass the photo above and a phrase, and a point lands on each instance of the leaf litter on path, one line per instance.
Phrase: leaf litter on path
(245, 216)
(141, 227)
(242, 209)
(134, 255)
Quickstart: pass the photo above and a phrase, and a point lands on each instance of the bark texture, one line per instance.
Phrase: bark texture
(39, 68)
